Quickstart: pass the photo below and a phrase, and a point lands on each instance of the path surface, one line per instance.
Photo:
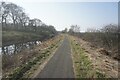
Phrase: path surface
(60, 65)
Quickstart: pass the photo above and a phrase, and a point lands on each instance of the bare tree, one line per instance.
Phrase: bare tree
(4, 13)
(23, 19)
(14, 12)
(112, 28)
(92, 30)
(65, 30)
(74, 29)
(15, 17)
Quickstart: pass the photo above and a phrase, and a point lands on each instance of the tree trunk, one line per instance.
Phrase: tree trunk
(2, 21)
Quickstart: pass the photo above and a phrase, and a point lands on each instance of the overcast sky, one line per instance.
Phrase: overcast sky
(63, 14)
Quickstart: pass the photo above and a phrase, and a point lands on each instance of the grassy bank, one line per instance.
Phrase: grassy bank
(83, 67)
(31, 64)
(108, 41)
(12, 37)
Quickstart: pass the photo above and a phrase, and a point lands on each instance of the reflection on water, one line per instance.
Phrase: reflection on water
(0, 50)
(15, 48)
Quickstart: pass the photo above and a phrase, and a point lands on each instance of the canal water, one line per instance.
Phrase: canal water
(16, 48)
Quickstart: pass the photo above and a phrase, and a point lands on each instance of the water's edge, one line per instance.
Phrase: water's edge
(15, 48)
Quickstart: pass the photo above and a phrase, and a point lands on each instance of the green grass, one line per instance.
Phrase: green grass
(11, 37)
(82, 64)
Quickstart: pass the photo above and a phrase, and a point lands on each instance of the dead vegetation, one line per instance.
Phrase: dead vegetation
(16, 64)
(105, 39)
(103, 64)
(107, 43)
(83, 66)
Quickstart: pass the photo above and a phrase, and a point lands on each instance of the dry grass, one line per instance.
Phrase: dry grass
(101, 63)
(83, 66)
(22, 62)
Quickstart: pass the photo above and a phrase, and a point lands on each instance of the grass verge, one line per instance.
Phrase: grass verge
(18, 73)
(83, 67)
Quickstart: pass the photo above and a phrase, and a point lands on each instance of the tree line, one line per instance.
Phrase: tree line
(13, 17)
